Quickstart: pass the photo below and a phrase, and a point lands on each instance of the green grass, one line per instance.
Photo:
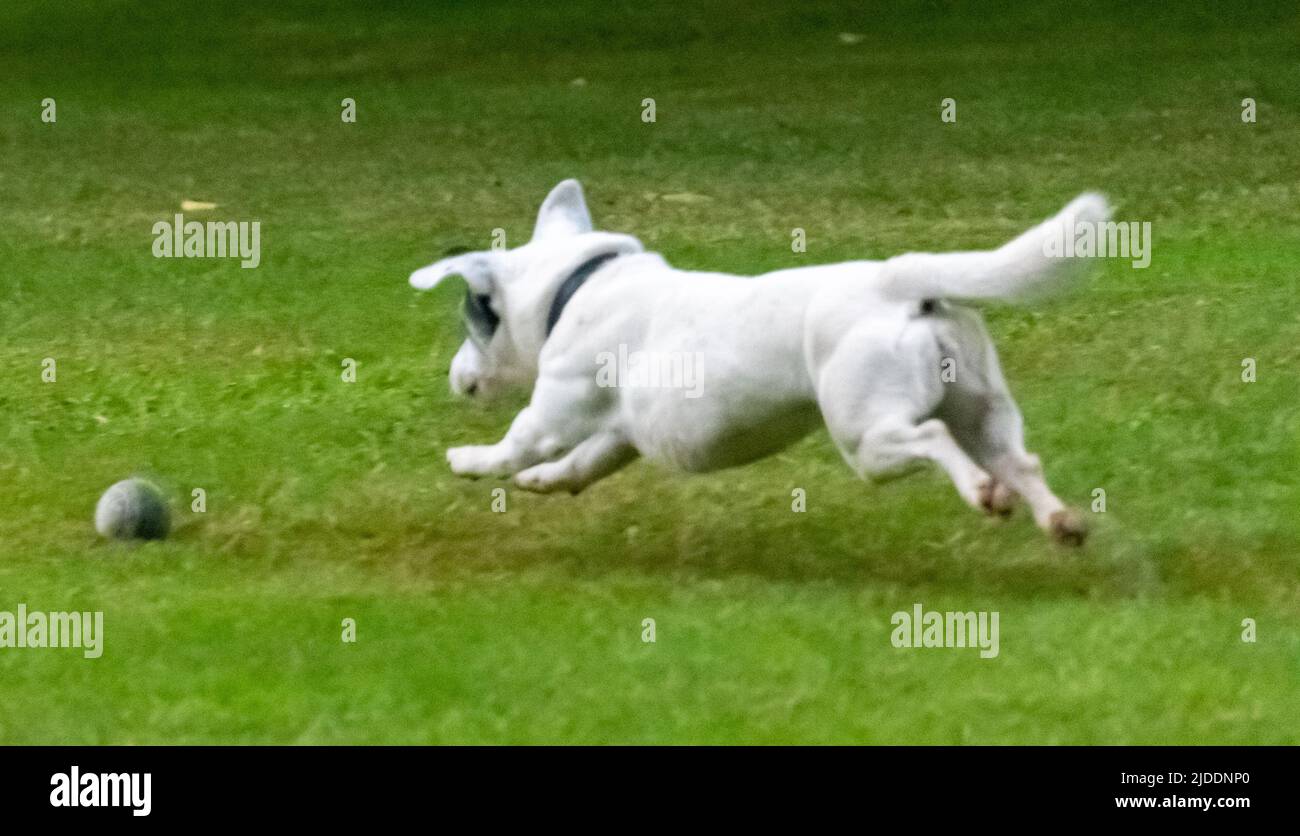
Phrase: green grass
(329, 500)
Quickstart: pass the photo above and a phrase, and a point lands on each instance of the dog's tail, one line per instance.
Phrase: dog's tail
(1019, 269)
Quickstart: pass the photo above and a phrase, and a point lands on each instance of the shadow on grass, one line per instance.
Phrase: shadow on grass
(672, 528)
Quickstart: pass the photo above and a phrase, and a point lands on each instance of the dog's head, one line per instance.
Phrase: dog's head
(510, 292)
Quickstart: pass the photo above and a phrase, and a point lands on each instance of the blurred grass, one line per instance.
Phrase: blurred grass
(328, 500)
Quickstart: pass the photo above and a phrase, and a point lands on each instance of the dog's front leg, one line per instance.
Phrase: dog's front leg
(524, 445)
(594, 458)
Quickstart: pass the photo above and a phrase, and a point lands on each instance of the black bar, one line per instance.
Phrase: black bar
(329, 784)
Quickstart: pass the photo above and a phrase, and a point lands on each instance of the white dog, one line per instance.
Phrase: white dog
(874, 349)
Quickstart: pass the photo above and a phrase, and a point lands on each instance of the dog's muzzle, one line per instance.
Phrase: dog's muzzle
(466, 370)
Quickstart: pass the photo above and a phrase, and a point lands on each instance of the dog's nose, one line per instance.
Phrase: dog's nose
(471, 389)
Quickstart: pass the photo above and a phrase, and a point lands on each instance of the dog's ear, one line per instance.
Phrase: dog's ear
(478, 269)
(564, 212)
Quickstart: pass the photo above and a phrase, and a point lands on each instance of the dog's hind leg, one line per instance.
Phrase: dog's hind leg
(593, 459)
(892, 446)
(1002, 451)
(987, 423)
(876, 399)
(1000, 447)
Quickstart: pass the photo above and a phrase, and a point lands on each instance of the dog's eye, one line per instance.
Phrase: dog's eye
(480, 320)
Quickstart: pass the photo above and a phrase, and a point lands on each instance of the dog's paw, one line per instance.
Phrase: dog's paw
(996, 499)
(540, 478)
(467, 461)
(550, 477)
(1067, 527)
(531, 480)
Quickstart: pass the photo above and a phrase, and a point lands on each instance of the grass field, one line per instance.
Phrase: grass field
(328, 500)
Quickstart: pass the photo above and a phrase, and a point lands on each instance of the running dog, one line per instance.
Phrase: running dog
(881, 352)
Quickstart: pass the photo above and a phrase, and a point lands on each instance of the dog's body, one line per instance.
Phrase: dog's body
(875, 350)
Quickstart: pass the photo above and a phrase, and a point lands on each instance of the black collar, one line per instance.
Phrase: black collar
(570, 286)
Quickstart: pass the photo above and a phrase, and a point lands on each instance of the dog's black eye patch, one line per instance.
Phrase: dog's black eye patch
(480, 320)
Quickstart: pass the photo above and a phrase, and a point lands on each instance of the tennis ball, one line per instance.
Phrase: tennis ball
(132, 509)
